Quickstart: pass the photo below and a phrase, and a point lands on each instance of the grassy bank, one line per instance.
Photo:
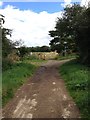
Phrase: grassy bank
(13, 78)
(76, 80)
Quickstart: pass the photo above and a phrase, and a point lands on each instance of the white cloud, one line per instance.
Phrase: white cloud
(85, 2)
(1, 3)
(29, 26)
(66, 2)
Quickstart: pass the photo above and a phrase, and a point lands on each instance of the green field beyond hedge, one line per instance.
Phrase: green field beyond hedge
(76, 80)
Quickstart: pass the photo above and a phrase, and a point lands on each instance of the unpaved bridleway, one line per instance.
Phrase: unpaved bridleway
(43, 96)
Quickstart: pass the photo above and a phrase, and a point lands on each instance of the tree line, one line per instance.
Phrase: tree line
(71, 32)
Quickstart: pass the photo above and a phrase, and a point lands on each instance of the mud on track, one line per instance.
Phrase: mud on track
(43, 96)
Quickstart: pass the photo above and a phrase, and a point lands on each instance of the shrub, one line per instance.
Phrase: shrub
(6, 64)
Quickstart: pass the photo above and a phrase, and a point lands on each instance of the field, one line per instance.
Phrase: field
(76, 79)
(44, 55)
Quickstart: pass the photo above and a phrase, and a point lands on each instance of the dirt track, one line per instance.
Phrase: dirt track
(43, 96)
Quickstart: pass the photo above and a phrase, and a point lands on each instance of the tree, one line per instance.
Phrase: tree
(45, 49)
(83, 36)
(23, 51)
(73, 28)
(39, 49)
(7, 44)
(64, 29)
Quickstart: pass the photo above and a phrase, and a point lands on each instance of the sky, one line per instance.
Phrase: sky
(31, 21)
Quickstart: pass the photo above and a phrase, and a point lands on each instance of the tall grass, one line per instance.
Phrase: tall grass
(76, 79)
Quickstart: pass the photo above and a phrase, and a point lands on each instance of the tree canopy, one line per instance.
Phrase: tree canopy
(7, 44)
(73, 29)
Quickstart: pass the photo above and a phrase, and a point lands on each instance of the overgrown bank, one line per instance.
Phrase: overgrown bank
(76, 80)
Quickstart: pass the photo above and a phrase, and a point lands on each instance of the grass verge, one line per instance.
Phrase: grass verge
(13, 78)
(76, 79)
(60, 57)
(36, 62)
